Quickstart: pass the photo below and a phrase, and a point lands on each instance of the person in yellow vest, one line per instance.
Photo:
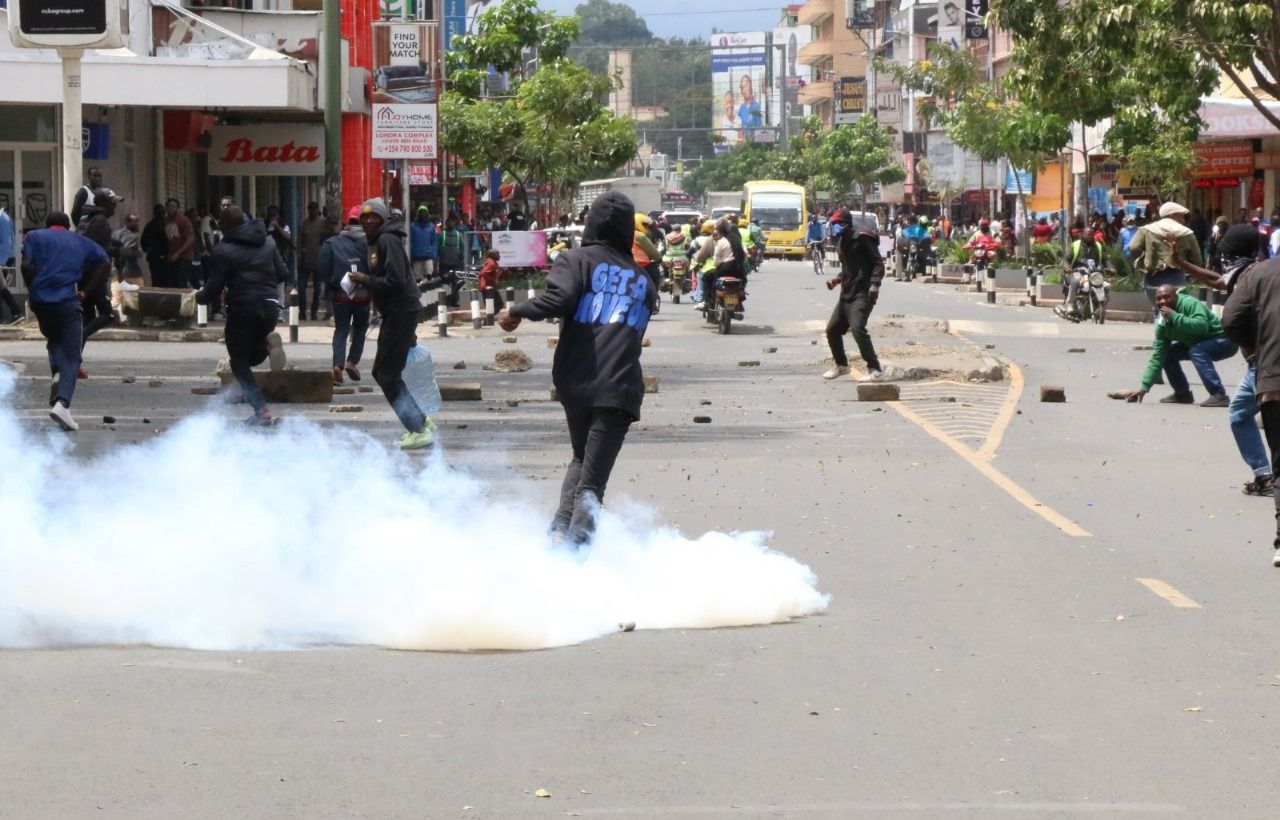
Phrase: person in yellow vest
(645, 254)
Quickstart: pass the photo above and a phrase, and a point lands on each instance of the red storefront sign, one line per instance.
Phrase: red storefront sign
(1224, 159)
(1216, 182)
(267, 150)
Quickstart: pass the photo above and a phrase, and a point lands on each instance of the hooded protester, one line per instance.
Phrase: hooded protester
(95, 223)
(248, 265)
(339, 255)
(390, 282)
(603, 300)
(861, 271)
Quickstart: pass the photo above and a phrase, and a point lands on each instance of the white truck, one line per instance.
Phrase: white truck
(645, 192)
(721, 203)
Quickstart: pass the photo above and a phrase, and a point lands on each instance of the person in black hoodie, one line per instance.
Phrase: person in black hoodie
(340, 254)
(603, 301)
(861, 271)
(247, 263)
(95, 223)
(390, 282)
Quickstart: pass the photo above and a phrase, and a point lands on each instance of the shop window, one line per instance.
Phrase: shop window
(28, 123)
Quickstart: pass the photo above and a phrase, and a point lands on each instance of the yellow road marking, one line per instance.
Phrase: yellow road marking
(1010, 406)
(1167, 592)
(983, 465)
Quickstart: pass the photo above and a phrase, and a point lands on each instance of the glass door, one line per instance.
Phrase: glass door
(27, 192)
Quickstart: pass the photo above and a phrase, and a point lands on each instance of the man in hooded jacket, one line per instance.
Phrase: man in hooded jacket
(861, 271)
(603, 300)
(248, 265)
(390, 282)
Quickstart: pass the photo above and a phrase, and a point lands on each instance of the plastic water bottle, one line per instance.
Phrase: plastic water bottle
(420, 377)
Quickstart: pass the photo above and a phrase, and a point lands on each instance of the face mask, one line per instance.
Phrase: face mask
(1233, 267)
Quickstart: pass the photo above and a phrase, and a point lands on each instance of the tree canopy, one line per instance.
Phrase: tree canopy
(548, 126)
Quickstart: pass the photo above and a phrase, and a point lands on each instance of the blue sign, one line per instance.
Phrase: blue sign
(455, 21)
(1013, 178)
(96, 137)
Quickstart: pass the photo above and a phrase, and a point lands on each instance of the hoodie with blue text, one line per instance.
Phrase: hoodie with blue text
(604, 301)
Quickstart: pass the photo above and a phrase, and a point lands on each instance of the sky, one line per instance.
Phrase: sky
(675, 18)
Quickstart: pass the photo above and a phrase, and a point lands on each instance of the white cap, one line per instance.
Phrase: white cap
(1172, 209)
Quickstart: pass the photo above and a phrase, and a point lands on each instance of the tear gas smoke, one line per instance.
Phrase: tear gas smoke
(214, 537)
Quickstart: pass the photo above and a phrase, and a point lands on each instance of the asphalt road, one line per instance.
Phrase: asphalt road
(977, 660)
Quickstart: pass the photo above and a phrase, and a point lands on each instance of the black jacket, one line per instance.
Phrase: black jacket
(95, 225)
(390, 277)
(861, 265)
(1251, 319)
(604, 301)
(247, 264)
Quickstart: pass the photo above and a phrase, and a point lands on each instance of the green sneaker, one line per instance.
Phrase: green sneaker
(422, 438)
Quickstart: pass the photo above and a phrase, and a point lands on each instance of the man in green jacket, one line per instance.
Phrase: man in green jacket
(1186, 329)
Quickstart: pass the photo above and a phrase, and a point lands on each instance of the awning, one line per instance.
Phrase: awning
(1228, 118)
(260, 79)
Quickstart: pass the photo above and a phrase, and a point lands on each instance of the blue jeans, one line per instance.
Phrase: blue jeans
(62, 324)
(348, 317)
(1202, 355)
(1243, 413)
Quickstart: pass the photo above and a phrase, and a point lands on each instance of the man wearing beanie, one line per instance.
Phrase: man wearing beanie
(390, 283)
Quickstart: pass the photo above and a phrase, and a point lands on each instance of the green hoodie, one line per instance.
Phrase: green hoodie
(1191, 322)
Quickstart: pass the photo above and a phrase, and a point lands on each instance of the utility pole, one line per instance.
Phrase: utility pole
(331, 70)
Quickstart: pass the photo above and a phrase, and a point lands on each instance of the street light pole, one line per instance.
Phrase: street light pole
(331, 67)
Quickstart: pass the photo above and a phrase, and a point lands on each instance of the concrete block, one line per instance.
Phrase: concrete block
(343, 391)
(204, 391)
(292, 386)
(1053, 393)
(701, 419)
(750, 363)
(460, 392)
(346, 408)
(877, 391)
(651, 384)
(509, 340)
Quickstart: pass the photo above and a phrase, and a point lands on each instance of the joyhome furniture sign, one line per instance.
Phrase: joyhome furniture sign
(404, 131)
(267, 150)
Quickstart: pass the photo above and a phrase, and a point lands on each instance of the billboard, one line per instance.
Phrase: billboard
(739, 88)
(266, 150)
(406, 62)
(789, 74)
(851, 100)
(951, 23)
(976, 22)
(404, 131)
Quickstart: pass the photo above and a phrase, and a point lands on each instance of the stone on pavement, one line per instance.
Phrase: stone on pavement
(877, 391)
(465, 391)
(510, 361)
(1053, 393)
(292, 386)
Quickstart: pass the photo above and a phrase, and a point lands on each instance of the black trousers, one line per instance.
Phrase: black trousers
(396, 336)
(98, 312)
(596, 435)
(246, 338)
(852, 316)
(1271, 429)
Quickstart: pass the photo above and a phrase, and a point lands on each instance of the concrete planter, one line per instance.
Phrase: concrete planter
(1011, 278)
(950, 269)
(1117, 300)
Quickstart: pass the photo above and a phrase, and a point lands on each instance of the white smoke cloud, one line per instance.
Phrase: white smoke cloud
(215, 537)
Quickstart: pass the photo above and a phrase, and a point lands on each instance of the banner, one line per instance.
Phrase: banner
(1013, 178)
(738, 85)
(1130, 185)
(406, 62)
(787, 41)
(851, 100)
(455, 21)
(266, 150)
(521, 249)
(951, 23)
(1223, 159)
(403, 131)
(975, 24)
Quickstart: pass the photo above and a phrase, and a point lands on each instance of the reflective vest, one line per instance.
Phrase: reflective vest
(747, 242)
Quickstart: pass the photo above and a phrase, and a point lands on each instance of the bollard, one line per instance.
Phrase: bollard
(1032, 290)
(202, 315)
(294, 315)
(475, 309)
(510, 296)
(442, 312)
(530, 292)
(991, 285)
(489, 305)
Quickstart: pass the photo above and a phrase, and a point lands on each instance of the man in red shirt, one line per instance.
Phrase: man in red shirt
(1042, 232)
(181, 238)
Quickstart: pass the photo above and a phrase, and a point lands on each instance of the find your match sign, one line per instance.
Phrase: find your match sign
(404, 131)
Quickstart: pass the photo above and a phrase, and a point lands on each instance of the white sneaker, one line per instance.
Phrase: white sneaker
(836, 372)
(62, 416)
(872, 376)
(1275, 561)
(275, 351)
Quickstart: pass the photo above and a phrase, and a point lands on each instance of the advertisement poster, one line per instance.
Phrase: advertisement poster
(851, 100)
(521, 249)
(787, 41)
(975, 23)
(406, 60)
(738, 88)
(404, 131)
(951, 23)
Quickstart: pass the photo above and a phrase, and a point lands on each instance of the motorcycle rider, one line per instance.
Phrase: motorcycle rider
(702, 258)
(747, 239)
(1083, 250)
(918, 234)
(643, 251)
(757, 236)
(729, 257)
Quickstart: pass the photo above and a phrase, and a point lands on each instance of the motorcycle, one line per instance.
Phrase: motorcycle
(917, 258)
(676, 281)
(1091, 295)
(727, 305)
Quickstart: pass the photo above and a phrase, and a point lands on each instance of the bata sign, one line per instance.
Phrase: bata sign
(267, 150)
(404, 131)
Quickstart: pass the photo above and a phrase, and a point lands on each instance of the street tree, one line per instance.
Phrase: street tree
(860, 154)
(548, 125)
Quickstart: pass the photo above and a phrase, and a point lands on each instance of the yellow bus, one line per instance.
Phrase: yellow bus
(780, 207)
